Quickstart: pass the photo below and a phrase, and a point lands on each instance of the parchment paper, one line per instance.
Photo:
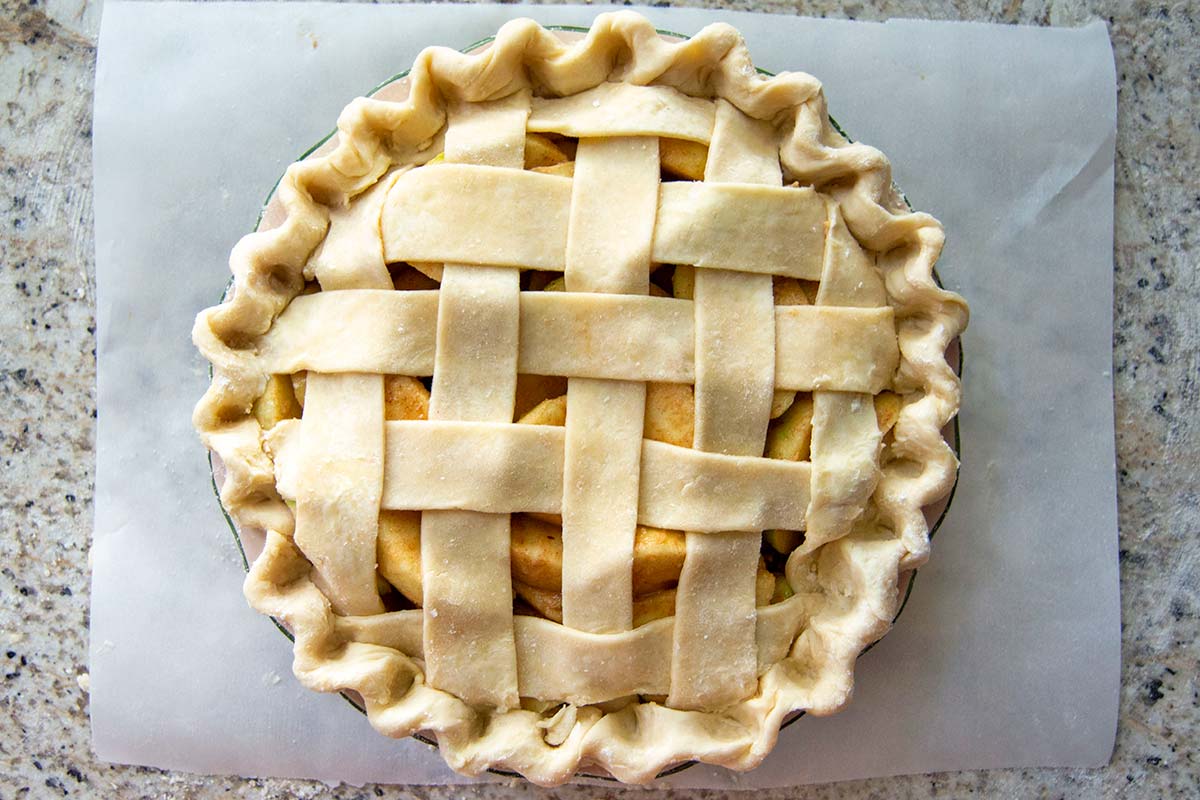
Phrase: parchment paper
(1008, 653)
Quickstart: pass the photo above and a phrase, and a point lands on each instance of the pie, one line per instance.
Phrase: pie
(588, 393)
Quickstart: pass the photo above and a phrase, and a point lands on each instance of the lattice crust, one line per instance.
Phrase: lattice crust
(783, 195)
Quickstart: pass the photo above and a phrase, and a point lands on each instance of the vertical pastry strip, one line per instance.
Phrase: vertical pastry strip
(714, 663)
(467, 582)
(340, 486)
(613, 203)
(351, 256)
(845, 436)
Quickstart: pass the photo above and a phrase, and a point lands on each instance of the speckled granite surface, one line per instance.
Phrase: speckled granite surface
(47, 410)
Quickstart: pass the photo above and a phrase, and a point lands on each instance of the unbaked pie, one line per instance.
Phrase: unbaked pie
(588, 391)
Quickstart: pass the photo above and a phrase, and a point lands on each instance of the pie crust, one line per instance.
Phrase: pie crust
(784, 196)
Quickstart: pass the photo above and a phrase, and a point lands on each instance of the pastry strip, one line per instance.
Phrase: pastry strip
(386, 332)
(488, 134)
(710, 492)
(608, 251)
(477, 215)
(735, 361)
(521, 220)
(498, 468)
(713, 663)
(569, 334)
(475, 363)
(351, 255)
(836, 349)
(845, 435)
(339, 482)
(559, 663)
(740, 226)
(622, 109)
(468, 633)
(613, 202)
(599, 502)
(607, 336)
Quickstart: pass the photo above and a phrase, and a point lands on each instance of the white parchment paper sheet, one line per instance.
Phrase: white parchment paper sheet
(1008, 653)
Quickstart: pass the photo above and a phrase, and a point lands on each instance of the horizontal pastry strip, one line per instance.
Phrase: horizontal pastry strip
(468, 214)
(487, 215)
(356, 330)
(502, 468)
(561, 664)
(829, 348)
(742, 227)
(622, 109)
(576, 335)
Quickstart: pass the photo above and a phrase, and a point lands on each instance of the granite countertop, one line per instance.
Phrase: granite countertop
(47, 412)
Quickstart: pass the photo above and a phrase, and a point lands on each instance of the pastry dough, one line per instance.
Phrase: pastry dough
(784, 197)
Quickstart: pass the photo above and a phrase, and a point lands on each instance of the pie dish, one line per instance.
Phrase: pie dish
(588, 393)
